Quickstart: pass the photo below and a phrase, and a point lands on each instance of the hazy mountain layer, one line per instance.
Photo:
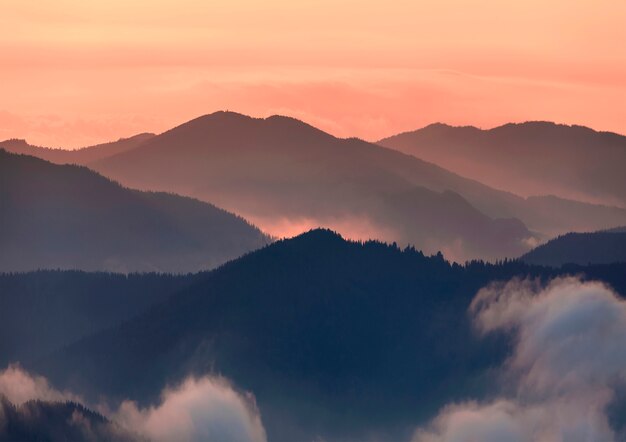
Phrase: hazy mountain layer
(581, 248)
(534, 158)
(77, 156)
(287, 177)
(70, 217)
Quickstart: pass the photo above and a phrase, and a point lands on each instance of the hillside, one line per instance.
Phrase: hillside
(287, 176)
(72, 218)
(77, 156)
(533, 158)
(45, 310)
(581, 248)
(337, 340)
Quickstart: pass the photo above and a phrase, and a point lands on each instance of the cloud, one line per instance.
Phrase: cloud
(200, 409)
(499, 421)
(20, 418)
(569, 358)
(19, 386)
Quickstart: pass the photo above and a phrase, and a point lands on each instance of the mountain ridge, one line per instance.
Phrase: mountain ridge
(286, 176)
(531, 158)
(255, 168)
(281, 166)
(603, 247)
(50, 211)
(81, 155)
(516, 125)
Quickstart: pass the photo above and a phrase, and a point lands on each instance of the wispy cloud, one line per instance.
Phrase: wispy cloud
(199, 409)
(569, 359)
(19, 386)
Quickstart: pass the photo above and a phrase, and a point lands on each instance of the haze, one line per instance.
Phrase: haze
(77, 73)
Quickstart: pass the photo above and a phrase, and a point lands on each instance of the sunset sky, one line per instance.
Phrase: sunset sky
(75, 73)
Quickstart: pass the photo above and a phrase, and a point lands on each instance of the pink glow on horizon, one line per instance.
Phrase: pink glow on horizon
(78, 73)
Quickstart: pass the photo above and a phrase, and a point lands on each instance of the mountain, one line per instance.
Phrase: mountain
(45, 421)
(533, 158)
(70, 217)
(337, 340)
(581, 248)
(287, 176)
(45, 310)
(78, 156)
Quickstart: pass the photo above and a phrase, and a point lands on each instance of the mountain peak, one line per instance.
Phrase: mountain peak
(531, 126)
(226, 116)
(218, 117)
(228, 128)
(320, 233)
(444, 127)
(434, 130)
(316, 238)
(439, 125)
(15, 140)
(538, 125)
(15, 143)
(223, 115)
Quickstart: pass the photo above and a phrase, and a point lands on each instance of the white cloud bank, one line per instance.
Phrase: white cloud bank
(200, 409)
(569, 356)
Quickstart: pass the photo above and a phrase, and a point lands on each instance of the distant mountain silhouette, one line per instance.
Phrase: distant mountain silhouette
(533, 158)
(70, 217)
(337, 340)
(284, 174)
(82, 156)
(56, 421)
(287, 176)
(581, 248)
(552, 211)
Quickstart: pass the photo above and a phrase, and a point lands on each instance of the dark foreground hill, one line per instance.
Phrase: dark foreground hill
(581, 248)
(337, 340)
(45, 310)
(69, 217)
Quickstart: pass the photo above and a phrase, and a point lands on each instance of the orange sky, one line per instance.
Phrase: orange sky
(75, 72)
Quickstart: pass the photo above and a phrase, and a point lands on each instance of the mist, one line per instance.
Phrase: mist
(19, 386)
(198, 409)
(567, 364)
